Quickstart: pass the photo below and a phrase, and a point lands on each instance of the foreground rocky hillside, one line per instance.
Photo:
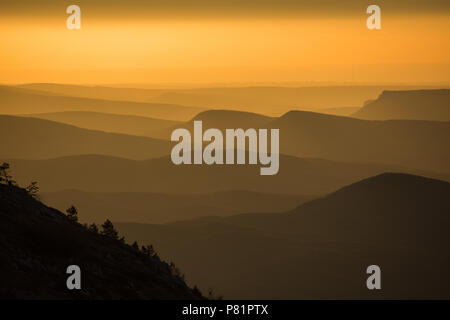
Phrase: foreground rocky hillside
(38, 243)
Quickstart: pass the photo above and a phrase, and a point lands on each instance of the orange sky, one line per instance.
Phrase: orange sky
(409, 48)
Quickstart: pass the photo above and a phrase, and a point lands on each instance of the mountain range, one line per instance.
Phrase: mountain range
(116, 123)
(308, 232)
(94, 173)
(23, 137)
(147, 207)
(411, 105)
(16, 100)
(322, 248)
(408, 143)
(269, 100)
(405, 143)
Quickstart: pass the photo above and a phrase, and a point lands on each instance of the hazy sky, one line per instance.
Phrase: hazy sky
(224, 41)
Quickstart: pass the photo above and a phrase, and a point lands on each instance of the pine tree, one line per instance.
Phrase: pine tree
(93, 227)
(72, 213)
(109, 230)
(33, 189)
(5, 177)
(148, 250)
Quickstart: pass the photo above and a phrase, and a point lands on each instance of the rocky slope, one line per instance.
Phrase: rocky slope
(38, 243)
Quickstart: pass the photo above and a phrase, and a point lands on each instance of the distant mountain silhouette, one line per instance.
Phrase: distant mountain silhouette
(413, 105)
(15, 100)
(337, 111)
(322, 249)
(94, 92)
(405, 143)
(408, 143)
(162, 208)
(126, 124)
(229, 119)
(272, 100)
(220, 119)
(269, 100)
(23, 137)
(38, 243)
(94, 173)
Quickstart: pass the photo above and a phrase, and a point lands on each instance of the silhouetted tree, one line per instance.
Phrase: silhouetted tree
(72, 213)
(5, 177)
(93, 227)
(33, 189)
(148, 250)
(109, 230)
(175, 271)
(212, 296)
(197, 291)
(135, 246)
